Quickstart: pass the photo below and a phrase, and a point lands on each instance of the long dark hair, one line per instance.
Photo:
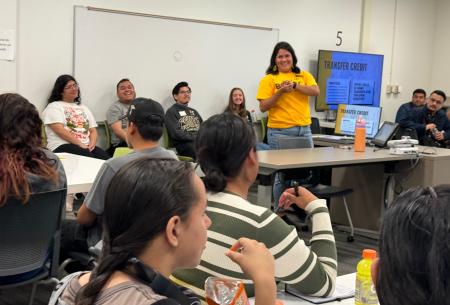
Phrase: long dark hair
(272, 69)
(58, 88)
(414, 264)
(240, 110)
(223, 142)
(140, 200)
(20, 148)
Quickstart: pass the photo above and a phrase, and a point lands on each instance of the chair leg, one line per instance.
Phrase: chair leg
(33, 293)
(351, 237)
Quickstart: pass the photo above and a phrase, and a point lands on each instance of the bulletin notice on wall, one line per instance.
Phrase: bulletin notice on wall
(7, 44)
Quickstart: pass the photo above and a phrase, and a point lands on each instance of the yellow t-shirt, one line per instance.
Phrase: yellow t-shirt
(291, 109)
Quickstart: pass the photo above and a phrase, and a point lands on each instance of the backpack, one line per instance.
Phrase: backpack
(60, 287)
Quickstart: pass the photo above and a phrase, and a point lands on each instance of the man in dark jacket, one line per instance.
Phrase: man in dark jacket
(406, 111)
(183, 122)
(431, 123)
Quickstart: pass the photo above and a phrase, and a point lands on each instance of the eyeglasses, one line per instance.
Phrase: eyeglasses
(185, 92)
(73, 86)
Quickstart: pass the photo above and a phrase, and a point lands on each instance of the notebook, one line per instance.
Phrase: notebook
(341, 292)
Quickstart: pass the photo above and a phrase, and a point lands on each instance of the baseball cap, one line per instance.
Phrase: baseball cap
(145, 110)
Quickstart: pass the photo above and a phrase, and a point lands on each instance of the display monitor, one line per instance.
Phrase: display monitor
(348, 78)
(347, 115)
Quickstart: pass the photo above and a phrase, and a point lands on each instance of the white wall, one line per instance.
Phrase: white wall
(441, 61)
(45, 36)
(46, 30)
(405, 36)
(8, 21)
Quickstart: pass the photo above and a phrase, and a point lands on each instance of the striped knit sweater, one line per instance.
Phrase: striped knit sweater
(310, 270)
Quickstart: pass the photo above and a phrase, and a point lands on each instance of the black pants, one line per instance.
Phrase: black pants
(186, 149)
(97, 152)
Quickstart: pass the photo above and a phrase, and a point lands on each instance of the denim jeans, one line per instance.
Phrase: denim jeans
(272, 138)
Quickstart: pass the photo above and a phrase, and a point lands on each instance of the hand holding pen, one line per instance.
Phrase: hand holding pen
(296, 195)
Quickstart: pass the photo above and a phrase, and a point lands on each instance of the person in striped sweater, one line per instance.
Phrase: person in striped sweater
(226, 153)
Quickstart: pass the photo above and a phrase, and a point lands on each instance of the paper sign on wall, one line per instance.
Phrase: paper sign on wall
(7, 44)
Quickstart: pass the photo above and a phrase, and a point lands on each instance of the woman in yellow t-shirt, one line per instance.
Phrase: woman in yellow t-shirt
(284, 92)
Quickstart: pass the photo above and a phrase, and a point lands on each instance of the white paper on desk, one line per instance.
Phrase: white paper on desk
(341, 292)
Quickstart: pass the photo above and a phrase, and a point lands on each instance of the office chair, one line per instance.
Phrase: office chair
(168, 144)
(264, 129)
(104, 136)
(121, 151)
(309, 178)
(30, 240)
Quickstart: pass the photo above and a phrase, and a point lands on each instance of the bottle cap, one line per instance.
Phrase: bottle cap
(369, 253)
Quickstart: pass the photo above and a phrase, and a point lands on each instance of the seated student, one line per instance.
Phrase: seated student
(414, 249)
(70, 127)
(406, 110)
(115, 113)
(431, 123)
(226, 153)
(236, 104)
(155, 223)
(25, 167)
(145, 127)
(183, 122)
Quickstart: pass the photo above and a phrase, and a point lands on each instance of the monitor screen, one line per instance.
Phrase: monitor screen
(348, 78)
(347, 115)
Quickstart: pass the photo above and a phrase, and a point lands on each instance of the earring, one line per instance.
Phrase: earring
(274, 68)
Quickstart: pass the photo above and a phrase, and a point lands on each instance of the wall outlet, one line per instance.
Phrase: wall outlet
(388, 89)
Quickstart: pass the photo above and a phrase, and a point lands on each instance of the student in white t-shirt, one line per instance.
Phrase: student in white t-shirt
(70, 126)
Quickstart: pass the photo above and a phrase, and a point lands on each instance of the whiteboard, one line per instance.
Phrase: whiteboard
(156, 53)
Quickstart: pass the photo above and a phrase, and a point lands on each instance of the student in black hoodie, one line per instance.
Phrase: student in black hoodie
(183, 122)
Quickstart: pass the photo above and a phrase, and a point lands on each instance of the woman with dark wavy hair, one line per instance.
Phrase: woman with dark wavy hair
(226, 153)
(414, 267)
(285, 92)
(70, 126)
(154, 223)
(25, 166)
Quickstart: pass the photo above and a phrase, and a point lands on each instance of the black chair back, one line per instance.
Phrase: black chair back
(30, 232)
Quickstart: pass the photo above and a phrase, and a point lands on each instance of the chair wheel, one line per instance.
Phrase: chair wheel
(350, 239)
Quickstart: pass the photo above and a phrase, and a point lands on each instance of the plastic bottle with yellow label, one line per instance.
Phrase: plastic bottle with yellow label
(365, 293)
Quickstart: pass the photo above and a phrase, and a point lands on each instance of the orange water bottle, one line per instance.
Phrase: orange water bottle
(360, 135)
(365, 293)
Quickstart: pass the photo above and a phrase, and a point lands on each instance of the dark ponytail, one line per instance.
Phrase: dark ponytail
(141, 198)
(223, 142)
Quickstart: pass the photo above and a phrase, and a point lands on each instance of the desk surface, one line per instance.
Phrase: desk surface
(323, 156)
(80, 171)
(347, 280)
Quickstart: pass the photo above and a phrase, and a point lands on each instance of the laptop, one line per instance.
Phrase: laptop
(385, 133)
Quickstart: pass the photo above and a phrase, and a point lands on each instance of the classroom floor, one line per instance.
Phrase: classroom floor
(348, 256)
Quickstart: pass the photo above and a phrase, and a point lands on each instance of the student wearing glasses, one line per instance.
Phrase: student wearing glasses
(182, 121)
(70, 126)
